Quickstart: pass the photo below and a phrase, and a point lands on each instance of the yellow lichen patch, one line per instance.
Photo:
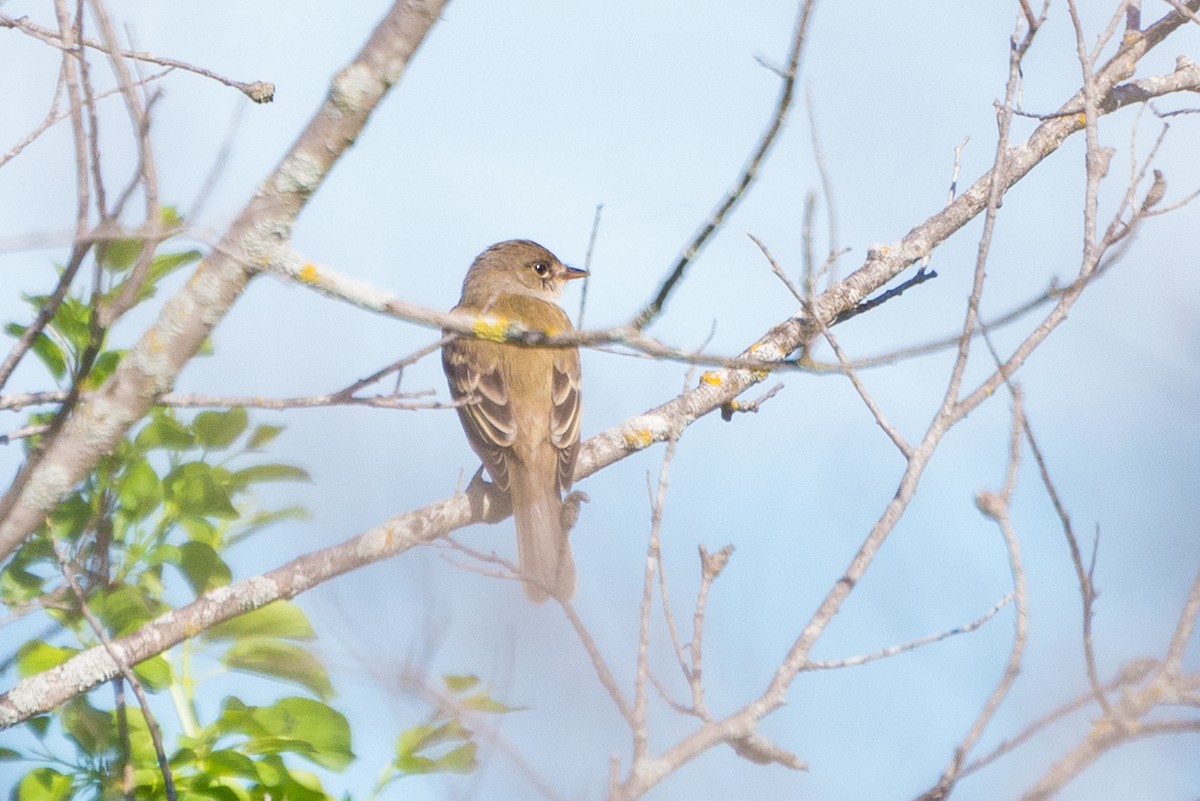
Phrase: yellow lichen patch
(759, 375)
(1081, 119)
(493, 328)
(710, 377)
(733, 406)
(308, 274)
(638, 439)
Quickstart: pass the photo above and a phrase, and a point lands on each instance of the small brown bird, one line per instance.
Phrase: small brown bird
(522, 409)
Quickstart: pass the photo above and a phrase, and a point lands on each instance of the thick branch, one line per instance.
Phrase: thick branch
(188, 318)
(254, 239)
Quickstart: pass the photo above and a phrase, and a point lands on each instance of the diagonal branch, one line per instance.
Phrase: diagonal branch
(189, 317)
(257, 237)
(745, 179)
(258, 91)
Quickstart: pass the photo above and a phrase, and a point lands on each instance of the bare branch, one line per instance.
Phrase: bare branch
(587, 264)
(188, 317)
(1183, 630)
(258, 91)
(911, 645)
(124, 667)
(996, 505)
(743, 182)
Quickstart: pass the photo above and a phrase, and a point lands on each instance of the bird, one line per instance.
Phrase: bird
(520, 405)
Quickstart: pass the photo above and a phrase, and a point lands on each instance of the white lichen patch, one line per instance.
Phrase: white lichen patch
(300, 173)
(102, 421)
(645, 430)
(352, 89)
(150, 356)
(247, 594)
(49, 485)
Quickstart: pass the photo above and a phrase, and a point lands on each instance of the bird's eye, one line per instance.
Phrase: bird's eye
(541, 268)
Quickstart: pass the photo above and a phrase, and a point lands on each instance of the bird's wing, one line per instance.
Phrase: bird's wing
(473, 370)
(564, 413)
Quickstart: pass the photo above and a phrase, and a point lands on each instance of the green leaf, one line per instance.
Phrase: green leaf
(460, 683)
(413, 745)
(141, 750)
(194, 488)
(69, 519)
(227, 762)
(72, 320)
(161, 266)
(262, 435)
(39, 725)
(120, 254)
(124, 608)
(167, 263)
(139, 491)
(203, 567)
(216, 430)
(271, 771)
(201, 787)
(261, 519)
(43, 784)
(149, 581)
(95, 732)
(482, 702)
(269, 472)
(459, 760)
(19, 586)
(414, 765)
(164, 431)
(302, 726)
(282, 619)
(169, 217)
(37, 657)
(104, 366)
(280, 660)
(200, 530)
(154, 673)
(45, 349)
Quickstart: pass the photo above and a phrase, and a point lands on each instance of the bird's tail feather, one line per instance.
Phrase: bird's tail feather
(542, 548)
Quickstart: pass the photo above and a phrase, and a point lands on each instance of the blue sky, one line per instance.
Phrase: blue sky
(516, 121)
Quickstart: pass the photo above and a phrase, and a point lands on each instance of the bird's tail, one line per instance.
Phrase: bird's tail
(547, 568)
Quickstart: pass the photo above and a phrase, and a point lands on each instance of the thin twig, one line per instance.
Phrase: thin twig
(1133, 674)
(1087, 587)
(834, 249)
(638, 723)
(711, 566)
(881, 420)
(122, 664)
(921, 277)
(258, 91)
(744, 180)
(587, 264)
(601, 667)
(911, 645)
(996, 505)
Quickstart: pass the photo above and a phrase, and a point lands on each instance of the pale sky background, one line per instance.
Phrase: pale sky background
(515, 120)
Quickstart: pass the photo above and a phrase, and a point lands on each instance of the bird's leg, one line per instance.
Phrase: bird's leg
(488, 502)
(570, 509)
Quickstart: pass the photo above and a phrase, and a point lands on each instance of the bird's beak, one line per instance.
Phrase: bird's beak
(574, 272)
